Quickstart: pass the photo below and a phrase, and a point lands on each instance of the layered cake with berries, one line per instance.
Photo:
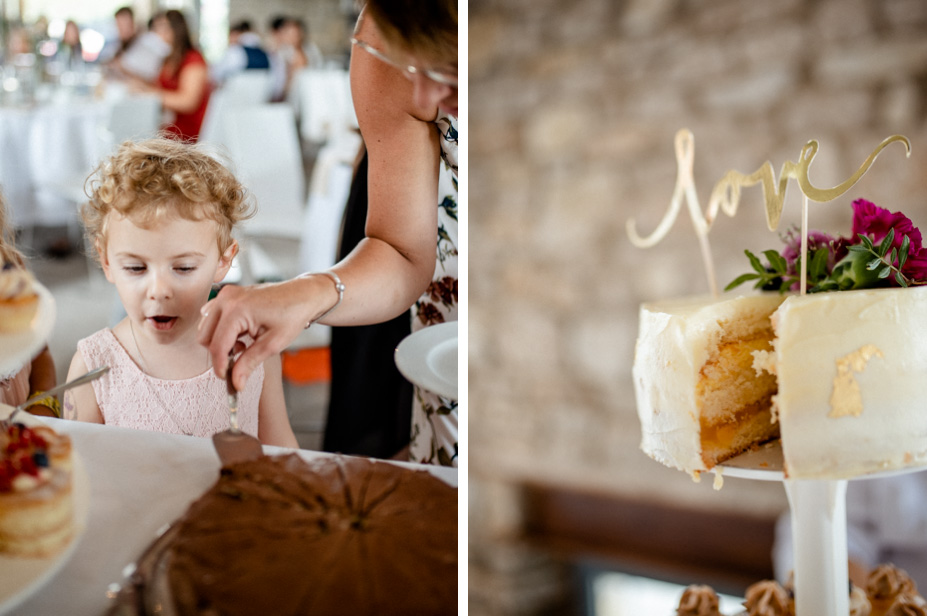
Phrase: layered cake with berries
(336, 535)
(36, 509)
(19, 301)
(836, 373)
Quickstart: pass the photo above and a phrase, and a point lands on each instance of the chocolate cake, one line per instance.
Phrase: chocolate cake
(280, 535)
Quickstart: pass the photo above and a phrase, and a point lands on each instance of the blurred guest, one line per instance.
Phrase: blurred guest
(245, 52)
(278, 63)
(297, 52)
(70, 53)
(305, 53)
(126, 34)
(183, 83)
(142, 57)
(18, 42)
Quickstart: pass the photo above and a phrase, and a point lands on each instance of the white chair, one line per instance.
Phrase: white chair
(131, 119)
(251, 87)
(242, 89)
(326, 106)
(263, 147)
(328, 195)
(126, 119)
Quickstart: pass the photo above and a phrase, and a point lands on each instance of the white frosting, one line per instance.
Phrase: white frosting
(851, 367)
(673, 345)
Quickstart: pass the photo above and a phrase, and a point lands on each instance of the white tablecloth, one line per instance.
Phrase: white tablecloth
(47, 145)
(139, 481)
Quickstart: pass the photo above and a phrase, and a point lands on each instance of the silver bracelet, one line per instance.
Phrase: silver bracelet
(339, 286)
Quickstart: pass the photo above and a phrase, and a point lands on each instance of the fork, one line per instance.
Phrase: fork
(85, 378)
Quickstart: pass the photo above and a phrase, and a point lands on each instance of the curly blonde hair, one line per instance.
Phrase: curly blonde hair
(147, 181)
(8, 251)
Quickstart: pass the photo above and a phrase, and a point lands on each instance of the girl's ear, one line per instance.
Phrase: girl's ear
(225, 262)
(104, 261)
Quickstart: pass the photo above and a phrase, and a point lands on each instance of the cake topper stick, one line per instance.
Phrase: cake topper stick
(685, 187)
(726, 194)
(803, 279)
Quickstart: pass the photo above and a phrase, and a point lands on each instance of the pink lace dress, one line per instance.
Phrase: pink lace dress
(130, 398)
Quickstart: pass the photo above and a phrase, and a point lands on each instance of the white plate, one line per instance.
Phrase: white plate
(765, 464)
(16, 349)
(21, 577)
(428, 358)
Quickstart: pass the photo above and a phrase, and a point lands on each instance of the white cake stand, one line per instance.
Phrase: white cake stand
(819, 529)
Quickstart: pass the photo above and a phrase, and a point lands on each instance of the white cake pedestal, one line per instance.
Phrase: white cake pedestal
(819, 529)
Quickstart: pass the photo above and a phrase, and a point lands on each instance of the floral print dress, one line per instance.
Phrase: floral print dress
(434, 418)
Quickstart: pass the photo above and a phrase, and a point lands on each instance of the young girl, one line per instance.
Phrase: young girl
(160, 219)
(37, 374)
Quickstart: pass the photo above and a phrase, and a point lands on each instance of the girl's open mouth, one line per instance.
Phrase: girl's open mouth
(162, 323)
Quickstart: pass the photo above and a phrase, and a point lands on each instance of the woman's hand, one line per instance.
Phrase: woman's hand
(272, 314)
(137, 85)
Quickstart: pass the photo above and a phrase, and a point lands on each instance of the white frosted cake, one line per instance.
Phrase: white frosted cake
(698, 397)
(841, 376)
(852, 376)
(828, 354)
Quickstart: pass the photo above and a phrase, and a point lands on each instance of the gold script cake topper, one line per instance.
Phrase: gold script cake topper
(726, 195)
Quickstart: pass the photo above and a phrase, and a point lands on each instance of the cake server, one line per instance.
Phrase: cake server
(233, 445)
(54, 391)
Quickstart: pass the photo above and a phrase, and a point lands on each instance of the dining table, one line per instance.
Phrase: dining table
(50, 144)
(134, 484)
(41, 145)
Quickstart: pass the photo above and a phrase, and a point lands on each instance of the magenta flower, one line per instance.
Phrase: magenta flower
(874, 221)
(836, 247)
(915, 267)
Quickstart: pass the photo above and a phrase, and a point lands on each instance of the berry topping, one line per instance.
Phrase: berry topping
(24, 453)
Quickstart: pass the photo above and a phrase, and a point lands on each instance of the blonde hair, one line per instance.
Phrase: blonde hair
(8, 251)
(147, 181)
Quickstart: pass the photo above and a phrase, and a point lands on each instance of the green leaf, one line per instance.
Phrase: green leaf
(893, 257)
(740, 280)
(755, 262)
(865, 241)
(784, 286)
(776, 261)
(903, 253)
(857, 248)
(884, 272)
(887, 242)
(818, 267)
(900, 280)
(871, 265)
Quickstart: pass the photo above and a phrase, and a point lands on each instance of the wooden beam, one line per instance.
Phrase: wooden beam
(729, 551)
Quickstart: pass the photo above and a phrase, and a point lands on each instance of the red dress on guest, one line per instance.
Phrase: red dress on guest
(186, 126)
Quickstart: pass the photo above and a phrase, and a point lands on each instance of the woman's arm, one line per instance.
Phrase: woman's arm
(193, 81)
(273, 423)
(390, 268)
(80, 403)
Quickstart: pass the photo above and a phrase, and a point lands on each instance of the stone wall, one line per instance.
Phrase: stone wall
(573, 109)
